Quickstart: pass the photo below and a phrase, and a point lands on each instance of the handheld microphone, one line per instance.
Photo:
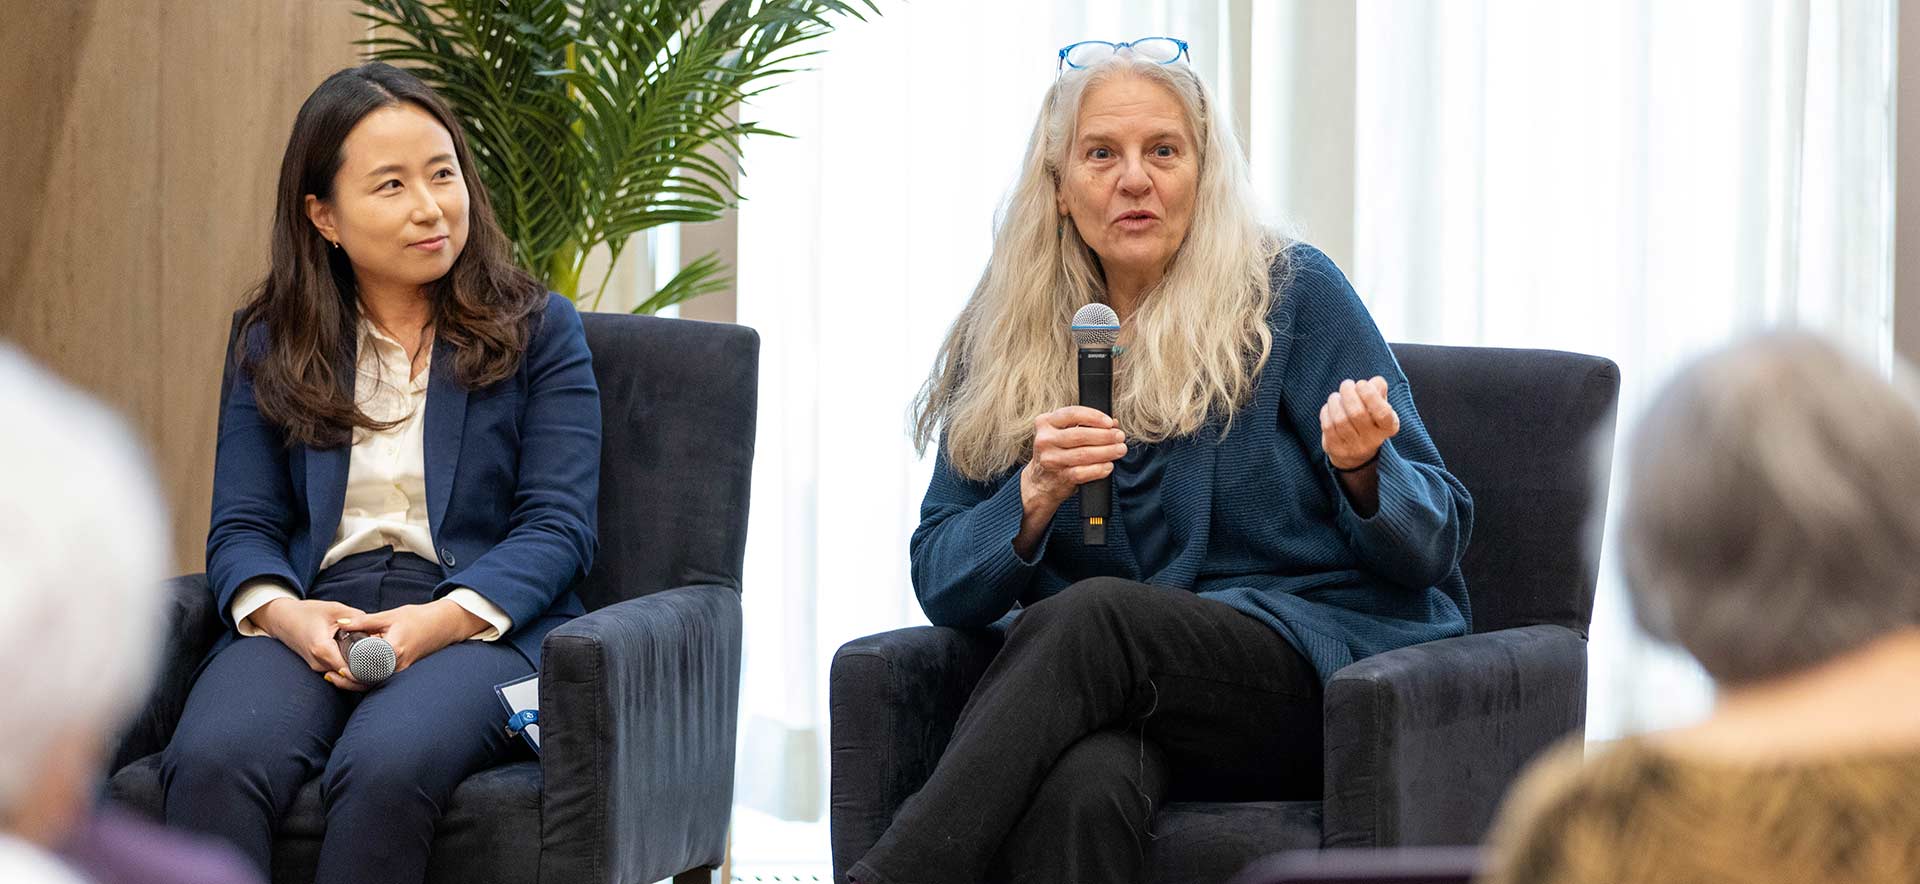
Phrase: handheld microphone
(1095, 328)
(370, 658)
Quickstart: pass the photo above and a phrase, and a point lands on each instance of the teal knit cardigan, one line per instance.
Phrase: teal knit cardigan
(1256, 518)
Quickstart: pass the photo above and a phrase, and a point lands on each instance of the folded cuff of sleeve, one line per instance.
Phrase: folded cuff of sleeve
(498, 623)
(252, 596)
(1397, 517)
(996, 524)
(1407, 517)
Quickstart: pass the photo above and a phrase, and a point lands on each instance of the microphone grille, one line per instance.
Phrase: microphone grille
(370, 660)
(1096, 325)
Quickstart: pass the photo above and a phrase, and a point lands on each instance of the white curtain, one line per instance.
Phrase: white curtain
(1634, 179)
(859, 240)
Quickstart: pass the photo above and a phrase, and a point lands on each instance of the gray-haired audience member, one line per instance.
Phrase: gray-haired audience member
(1771, 527)
(82, 552)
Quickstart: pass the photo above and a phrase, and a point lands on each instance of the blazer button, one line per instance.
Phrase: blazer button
(446, 558)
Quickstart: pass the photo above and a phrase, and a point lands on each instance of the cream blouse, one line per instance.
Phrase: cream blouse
(386, 501)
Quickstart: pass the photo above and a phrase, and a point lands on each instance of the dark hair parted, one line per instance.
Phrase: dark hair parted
(483, 307)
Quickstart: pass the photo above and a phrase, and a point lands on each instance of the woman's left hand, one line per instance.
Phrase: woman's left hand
(416, 631)
(1356, 421)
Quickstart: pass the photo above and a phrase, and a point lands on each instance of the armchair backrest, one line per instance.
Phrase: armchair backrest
(677, 405)
(1530, 433)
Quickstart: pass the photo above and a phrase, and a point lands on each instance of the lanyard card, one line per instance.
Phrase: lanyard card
(522, 699)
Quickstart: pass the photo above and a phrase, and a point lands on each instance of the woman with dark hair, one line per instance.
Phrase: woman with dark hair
(410, 448)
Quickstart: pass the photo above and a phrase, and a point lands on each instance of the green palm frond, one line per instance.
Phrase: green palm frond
(703, 275)
(594, 120)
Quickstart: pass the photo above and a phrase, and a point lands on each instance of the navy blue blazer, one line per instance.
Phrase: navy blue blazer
(513, 481)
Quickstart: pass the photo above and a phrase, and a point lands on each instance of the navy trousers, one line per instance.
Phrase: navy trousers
(259, 724)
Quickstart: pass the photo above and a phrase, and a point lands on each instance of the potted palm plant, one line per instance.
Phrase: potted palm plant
(595, 120)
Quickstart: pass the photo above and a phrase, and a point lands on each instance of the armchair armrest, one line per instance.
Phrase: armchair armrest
(1423, 741)
(191, 629)
(894, 699)
(639, 702)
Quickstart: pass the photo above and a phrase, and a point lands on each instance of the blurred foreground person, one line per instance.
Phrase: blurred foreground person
(82, 537)
(1772, 529)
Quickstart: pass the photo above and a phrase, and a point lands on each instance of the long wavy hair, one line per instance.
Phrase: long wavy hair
(1196, 343)
(309, 302)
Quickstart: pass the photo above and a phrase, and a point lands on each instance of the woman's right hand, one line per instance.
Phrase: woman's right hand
(1071, 447)
(309, 627)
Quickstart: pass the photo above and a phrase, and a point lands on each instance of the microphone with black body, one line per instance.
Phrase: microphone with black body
(1095, 328)
(370, 658)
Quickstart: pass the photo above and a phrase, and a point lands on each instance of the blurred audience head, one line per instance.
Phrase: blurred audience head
(1771, 519)
(83, 539)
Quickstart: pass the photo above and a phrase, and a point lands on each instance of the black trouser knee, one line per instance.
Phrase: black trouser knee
(1231, 706)
(1092, 818)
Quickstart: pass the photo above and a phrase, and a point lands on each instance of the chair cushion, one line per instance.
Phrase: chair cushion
(1210, 841)
(491, 831)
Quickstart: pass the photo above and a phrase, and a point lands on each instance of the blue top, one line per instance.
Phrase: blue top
(1253, 518)
(1140, 525)
(513, 482)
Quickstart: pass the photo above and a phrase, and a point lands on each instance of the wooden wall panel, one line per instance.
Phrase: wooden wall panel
(35, 81)
(156, 194)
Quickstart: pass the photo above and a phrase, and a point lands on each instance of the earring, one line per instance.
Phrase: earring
(336, 243)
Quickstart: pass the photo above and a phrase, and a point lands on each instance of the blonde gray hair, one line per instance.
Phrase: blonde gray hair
(1195, 344)
(1772, 511)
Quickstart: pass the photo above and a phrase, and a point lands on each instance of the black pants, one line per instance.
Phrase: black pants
(1107, 699)
(259, 724)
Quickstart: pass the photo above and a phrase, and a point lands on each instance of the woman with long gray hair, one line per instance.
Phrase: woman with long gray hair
(1771, 527)
(1278, 509)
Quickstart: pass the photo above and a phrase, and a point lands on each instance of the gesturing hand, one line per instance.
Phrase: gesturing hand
(1071, 446)
(418, 630)
(1356, 421)
(307, 627)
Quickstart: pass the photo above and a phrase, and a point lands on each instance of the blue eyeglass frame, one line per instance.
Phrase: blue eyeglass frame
(1064, 50)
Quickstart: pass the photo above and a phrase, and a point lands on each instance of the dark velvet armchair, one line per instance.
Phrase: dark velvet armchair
(638, 698)
(1420, 742)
